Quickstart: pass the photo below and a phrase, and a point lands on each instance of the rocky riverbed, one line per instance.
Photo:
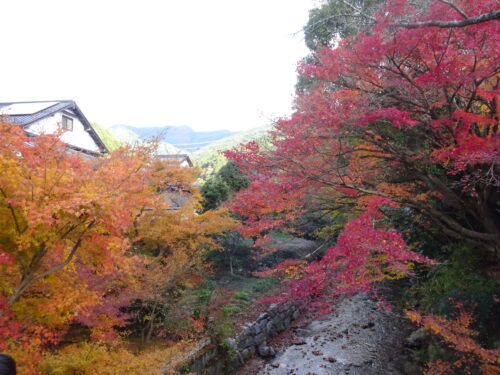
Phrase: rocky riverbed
(356, 338)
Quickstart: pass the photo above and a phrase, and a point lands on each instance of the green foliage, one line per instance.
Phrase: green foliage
(330, 21)
(249, 285)
(109, 139)
(336, 19)
(461, 278)
(219, 187)
(214, 191)
(210, 158)
(222, 327)
(254, 285)
(202, 295)
(236, 254)
(278, 236)
(234, 178)
(197, 299)
(242, 295)
(230, 310)
(324, 225)
(184, 369)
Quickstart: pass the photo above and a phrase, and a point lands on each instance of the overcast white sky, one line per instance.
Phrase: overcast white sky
(209, 64)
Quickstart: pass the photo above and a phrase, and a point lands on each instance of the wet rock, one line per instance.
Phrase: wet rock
(280, 326)
(248, 329)
(231, 343)
(263, 316)
(418, 339)
(260, 338)
(266, 351)
(248, 342)
(269, 327)
(273, 308)
(246, 354)
(258, 328)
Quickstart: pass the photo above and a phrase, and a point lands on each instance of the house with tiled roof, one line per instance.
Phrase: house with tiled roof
(183, 159)
(47, 117)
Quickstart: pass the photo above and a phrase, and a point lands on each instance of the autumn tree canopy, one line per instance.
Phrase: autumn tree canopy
(400, 120)
(81, 239)
(401, 116)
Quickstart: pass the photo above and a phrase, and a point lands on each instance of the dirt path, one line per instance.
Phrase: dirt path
(357, 338)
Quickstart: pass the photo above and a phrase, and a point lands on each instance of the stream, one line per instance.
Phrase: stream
(355, 338)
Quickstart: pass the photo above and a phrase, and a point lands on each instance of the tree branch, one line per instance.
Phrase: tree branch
(28, 281)
(356, 9)
(13, 214)
(446, 24)
(452, 5)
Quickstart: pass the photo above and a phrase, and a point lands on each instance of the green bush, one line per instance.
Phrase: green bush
(461, 279)
(230, 310)
(242, 295)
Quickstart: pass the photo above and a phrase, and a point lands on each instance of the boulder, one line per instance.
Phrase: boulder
(266, 351)
(418, 339)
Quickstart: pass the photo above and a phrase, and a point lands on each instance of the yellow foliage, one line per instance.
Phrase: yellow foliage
(66, 228)
(95, 358)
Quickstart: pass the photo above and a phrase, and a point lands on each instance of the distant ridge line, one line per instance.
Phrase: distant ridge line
(193, 143)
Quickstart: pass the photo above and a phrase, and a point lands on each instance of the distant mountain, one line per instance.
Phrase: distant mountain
(125, 135)
(210, 158)
(181, 137)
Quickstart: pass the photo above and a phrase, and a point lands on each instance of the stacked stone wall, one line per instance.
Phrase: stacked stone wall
(255, 336)
(253, 339)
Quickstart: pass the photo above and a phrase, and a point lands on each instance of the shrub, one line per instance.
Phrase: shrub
(95, 358)
(242, 295)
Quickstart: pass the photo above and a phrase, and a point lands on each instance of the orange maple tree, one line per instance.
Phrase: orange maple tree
(67, 225)
(457, 334)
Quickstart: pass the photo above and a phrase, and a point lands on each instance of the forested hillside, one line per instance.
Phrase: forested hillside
(211, 158)
(107, 137)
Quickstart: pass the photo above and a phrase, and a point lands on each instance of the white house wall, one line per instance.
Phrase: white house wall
(77, 137)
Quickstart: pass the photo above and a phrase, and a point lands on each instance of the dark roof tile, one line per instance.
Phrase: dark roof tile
(27, 119)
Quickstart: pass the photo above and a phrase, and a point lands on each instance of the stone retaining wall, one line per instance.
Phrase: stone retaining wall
(254, 337)
(252, 340)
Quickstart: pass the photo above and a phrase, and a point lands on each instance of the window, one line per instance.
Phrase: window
(67, 123)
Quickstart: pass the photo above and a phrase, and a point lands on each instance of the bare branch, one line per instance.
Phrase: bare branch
(326, 19)
(452, 5)
(446, 24)
(358, 10)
